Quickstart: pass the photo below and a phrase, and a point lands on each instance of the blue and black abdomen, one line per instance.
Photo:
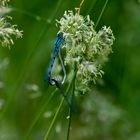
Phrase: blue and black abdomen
(59, 41)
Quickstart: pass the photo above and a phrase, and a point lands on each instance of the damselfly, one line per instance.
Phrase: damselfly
(59, 41)
(49, 79)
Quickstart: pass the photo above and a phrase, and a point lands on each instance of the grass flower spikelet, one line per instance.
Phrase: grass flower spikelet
(85, 46)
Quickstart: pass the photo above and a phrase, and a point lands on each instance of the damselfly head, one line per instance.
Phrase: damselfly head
(51, 82)
(57, 83)
(61, 35)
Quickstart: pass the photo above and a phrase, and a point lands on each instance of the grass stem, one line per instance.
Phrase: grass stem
(70, 110)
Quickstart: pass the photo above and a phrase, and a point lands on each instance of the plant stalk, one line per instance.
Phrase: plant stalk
(70, 110)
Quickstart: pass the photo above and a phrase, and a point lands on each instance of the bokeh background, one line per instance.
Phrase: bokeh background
(110, 112)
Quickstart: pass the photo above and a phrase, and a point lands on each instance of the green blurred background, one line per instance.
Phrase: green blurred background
(110, 112)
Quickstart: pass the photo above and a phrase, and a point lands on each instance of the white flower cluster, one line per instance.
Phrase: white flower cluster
(88, 48)
(7, 31)
(3, 2)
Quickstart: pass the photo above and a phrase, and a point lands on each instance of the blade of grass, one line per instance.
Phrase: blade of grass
(27, 13)
(91, 6)
(56, 114)
(39, 114)
(53, 121)
(20, 79)
(102, 11)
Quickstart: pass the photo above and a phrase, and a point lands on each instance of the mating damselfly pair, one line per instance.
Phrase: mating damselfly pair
(60, 40)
